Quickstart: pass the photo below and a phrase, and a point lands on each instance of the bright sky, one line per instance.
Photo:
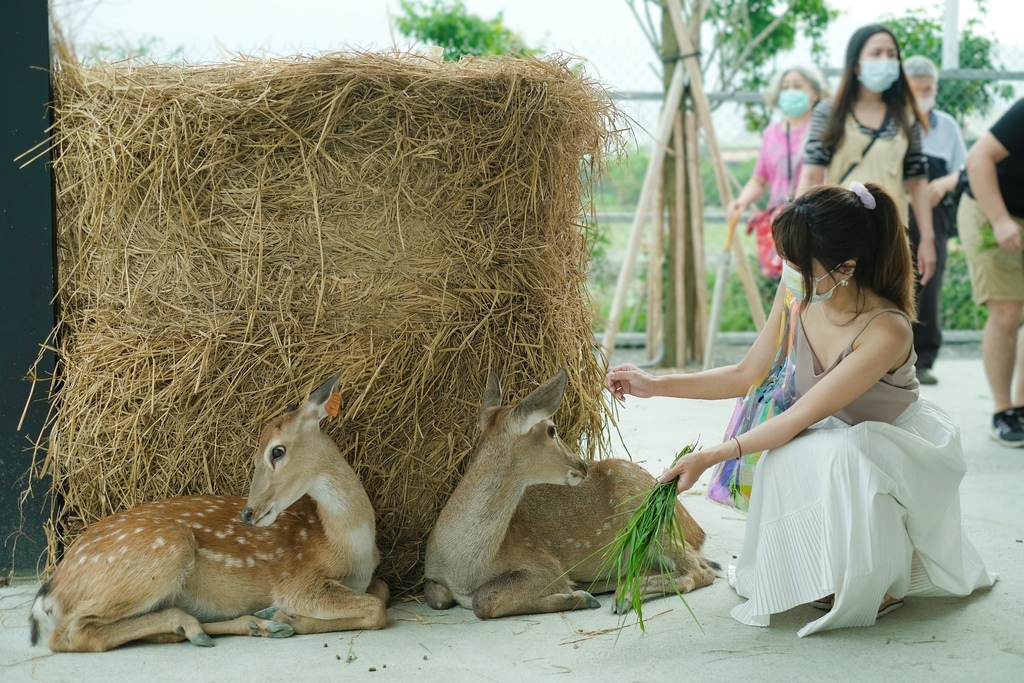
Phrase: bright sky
(603, 31)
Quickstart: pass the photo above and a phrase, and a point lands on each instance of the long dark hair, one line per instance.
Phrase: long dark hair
(898, 98)
(830, 224)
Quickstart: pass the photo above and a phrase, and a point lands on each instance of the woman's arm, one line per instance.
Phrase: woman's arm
(751, 192)
(884, 344)
(810, 176)
(817, 156)
(926, 258)
(725, 382)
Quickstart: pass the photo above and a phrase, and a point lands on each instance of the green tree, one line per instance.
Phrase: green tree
(919, 32)
(451, 26)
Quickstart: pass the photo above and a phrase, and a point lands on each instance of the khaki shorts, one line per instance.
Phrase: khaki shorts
(995, 272)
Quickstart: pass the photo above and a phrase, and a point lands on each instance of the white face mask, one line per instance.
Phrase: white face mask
(794, 281)
(926, 104)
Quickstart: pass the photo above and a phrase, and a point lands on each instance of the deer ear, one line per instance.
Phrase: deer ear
(319, 403)
(492, 397)
(540, 404)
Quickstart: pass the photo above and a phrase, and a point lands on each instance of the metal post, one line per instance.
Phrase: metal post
(26, 276)
(951, 36)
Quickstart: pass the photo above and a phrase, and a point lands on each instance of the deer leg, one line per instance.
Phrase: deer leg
(248, 625)
(437, 595)
(693, 572)
(379, 590)
(329, 605)
(95, 634)
(529, 592)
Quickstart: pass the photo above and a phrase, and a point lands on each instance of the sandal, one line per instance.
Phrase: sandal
(890, 605)
(825, 603)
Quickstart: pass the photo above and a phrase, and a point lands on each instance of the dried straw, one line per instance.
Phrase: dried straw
(229, 236)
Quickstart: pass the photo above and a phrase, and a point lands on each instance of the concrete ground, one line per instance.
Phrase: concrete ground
(980, 637)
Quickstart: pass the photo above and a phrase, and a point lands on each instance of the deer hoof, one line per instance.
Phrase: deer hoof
(201, 639)
(267, 613)
(589, 601)
(278, 629)
(622, 606)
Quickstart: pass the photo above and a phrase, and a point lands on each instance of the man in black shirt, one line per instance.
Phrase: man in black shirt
(991, 218)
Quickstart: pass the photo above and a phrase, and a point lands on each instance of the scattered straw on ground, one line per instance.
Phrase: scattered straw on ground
(230, 236)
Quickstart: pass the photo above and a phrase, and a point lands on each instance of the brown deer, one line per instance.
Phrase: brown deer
(528, 521)
(296, 557)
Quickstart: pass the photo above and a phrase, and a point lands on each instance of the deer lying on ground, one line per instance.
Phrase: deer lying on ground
(508, 542)
(296, 557)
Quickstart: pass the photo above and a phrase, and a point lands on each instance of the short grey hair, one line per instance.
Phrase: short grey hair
(810, 73)
(919, 65)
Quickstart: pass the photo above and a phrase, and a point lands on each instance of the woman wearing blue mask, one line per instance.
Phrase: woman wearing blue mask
(855, 498)
(872, 132)
(794, 91)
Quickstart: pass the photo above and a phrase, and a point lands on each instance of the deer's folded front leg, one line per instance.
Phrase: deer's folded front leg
(529, 591)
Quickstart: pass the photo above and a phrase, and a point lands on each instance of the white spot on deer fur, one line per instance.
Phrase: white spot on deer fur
(220, 534)
(233, 562)
(586, 544)
(111, 558)
(280, 551)
(299, 556)
(94, 558)
(303, 534)
(211, 555)
(82, 559)
(186, 514)
(607, 526)
(159, 542)
(122, 537)
(241, 539)
(196, 525)
(568, 540)
(249, 562)
(138, 529)
(200, 514)
(547, 541)
(285, 575)
(207, 529)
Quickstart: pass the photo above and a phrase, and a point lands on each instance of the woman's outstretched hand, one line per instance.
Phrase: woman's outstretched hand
(688, 468)
(629, 379)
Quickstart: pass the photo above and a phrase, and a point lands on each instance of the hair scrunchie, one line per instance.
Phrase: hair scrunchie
(866, 198)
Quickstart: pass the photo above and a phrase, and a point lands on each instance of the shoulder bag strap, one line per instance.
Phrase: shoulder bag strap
(862, 155)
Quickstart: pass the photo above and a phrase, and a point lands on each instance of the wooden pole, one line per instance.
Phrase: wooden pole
(697, 237)
(654, 279)
(703, 111)
(679, 265)
(672, 99)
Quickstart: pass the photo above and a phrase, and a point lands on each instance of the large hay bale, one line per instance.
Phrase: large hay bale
(230, 236)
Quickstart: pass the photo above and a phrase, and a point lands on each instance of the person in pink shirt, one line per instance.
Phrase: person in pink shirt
(794, 91)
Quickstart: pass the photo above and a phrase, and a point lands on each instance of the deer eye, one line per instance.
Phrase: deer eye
(552, 432)
(276, 453)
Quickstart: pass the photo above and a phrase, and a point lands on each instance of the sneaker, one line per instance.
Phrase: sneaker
(1008, 428)
(925, 376)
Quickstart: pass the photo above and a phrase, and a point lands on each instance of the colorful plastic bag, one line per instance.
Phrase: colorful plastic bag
(732, 480)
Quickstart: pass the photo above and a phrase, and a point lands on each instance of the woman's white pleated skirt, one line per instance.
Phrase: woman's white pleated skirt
(857, 512)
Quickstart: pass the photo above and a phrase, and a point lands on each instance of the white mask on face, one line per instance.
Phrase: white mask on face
(926, 104)
(794, 281)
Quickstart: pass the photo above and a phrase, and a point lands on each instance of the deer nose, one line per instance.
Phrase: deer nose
(247, 515)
